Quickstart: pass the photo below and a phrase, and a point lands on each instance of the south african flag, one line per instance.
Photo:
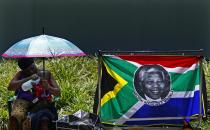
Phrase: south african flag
(137, 88)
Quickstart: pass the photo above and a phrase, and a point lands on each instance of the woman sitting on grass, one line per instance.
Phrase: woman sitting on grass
(35, 99)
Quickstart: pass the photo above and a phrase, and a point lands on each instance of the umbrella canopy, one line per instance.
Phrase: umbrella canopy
(43, 46)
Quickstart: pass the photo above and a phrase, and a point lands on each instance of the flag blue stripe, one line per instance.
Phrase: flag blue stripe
(157, 122)
(175, 107)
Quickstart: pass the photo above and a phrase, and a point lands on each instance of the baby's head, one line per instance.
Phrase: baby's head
(44, 74)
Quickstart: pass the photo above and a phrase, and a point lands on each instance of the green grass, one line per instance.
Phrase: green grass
(77, 77)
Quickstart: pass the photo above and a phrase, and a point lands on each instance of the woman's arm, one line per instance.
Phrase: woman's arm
(15, 83)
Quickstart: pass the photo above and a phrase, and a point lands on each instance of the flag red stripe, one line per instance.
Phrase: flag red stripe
(167, 61)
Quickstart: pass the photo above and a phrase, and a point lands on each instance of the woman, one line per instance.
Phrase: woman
(27, 100)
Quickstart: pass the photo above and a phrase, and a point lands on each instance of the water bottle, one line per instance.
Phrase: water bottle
(28, 84)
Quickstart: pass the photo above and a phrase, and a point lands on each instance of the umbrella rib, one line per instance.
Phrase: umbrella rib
(48, 47)
(29, 47)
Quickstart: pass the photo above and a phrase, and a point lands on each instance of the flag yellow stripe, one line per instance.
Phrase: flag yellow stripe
(117, 87)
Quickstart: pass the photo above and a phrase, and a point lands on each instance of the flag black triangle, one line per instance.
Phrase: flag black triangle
(107, 82)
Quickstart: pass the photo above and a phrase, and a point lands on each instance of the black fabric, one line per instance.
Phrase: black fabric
(107, 82)
(24, 63)
(38, 116)
(82, 121)
(40, 111)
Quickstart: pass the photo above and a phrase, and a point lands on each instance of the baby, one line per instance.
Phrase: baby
(44, 74)
(41, 90)
(30, 83)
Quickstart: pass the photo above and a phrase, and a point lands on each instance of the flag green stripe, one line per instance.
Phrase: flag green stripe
(126, 102)
(121, 67)
(186, 81)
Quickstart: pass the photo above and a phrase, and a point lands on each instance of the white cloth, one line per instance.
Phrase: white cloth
(29, 84)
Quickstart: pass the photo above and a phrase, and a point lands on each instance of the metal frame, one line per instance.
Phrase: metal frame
(168, 53)
(201, 92)
(99, 80)
(161, 53)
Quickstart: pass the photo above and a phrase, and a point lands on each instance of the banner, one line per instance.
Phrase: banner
(138, 87)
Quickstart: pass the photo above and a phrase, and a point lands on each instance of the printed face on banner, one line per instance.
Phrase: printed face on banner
(152, 85)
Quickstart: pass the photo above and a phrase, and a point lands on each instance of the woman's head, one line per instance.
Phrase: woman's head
(28, 66)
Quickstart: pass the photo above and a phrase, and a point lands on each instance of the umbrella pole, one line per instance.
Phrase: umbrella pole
(44, 72)
(43, 30)
(43, 59)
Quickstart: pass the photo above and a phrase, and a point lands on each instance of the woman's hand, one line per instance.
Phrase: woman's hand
(34, 77)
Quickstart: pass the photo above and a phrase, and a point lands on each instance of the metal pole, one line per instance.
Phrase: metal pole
(43, 30)
(201, 85)
(166, 53)
(99, 81)
(44, 73)
(43, 60)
